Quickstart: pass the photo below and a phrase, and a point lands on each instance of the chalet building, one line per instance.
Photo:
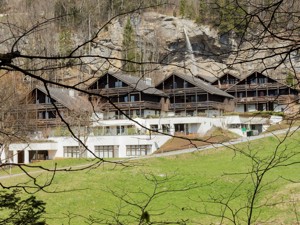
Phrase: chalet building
(257, 92)
(40, 110)
(130, 94)
(195, 102)
(192, 96)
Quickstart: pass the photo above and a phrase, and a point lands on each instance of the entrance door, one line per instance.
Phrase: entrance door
(271, 106)
(20, 156)
(260, 107)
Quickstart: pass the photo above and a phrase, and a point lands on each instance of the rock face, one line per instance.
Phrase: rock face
(161, 38)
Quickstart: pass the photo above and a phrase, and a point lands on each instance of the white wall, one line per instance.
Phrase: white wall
(198, 125)
(58, 143)
(2, 154)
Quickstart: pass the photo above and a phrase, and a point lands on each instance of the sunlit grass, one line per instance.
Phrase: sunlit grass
(215, 172)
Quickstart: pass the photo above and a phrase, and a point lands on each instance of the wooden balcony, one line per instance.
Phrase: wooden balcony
(133, 105)
(223, 86)
(183, 91)
(41, 106)
(194, 105)
(281, 99)
(265, 86)
(113, 91)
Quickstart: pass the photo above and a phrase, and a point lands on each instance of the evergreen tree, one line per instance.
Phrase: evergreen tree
(182, 7)
(129, 48)
(14, 210)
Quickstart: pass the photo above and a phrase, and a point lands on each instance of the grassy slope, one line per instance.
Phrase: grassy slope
(85, 192)
(215, 135)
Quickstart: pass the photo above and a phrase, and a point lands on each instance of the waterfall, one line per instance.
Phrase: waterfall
(190, 54)
(188, 43)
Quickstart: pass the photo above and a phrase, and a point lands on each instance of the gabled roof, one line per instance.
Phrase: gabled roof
(200, 83)
(224, 74)
(135, 82)
(209, 79)
(68, 98)
(241, 80)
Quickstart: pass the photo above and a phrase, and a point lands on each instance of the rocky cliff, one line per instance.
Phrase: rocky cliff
(165, 39)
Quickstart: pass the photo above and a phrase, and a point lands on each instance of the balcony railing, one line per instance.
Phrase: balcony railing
(40, 106)
(194, 105)
(113, 91)
(133, 105)
(281, 99)
(264, 86)
(182, 91)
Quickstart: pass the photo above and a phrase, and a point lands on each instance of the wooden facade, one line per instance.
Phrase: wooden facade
(190, 95)
(37, 112)
(128, 94)
(257, 92)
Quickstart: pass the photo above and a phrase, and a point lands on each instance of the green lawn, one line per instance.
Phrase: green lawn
(209, 177)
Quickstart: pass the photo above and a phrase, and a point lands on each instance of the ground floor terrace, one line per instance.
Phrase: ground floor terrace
(131, 138)
(97, 146)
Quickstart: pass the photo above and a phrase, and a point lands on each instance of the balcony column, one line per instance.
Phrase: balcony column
(140, 96)
(26, 156)
(207, 99)
(172, 129)
(196, 96)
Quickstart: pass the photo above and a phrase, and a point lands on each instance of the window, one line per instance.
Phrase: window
(253, 81)
(193, 98)
(174, 84)
(46, 115)
(120, 130)
(165, 128)
(48, 100)
(262, 80)
(232, 81)
(74, 152)
(52, 114)
(132, 98)
(137, 150)
(185, 84)
(118, 83)
(234, 126)
(105, 151)
(154, 127)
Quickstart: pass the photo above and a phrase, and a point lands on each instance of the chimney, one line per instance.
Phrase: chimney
(72, 93)
(148, 81)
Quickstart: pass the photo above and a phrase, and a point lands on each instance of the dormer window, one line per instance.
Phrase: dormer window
(118, 83)
(47, 101)
(185, 84)
(253, 81)
(262, 80)
(174, 84)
